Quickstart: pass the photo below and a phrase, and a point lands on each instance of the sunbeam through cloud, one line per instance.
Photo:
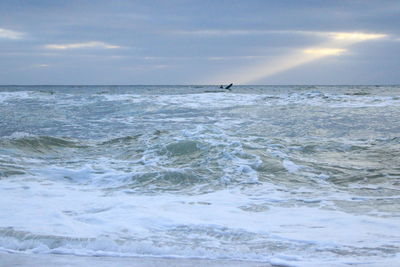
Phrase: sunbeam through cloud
(336, 45)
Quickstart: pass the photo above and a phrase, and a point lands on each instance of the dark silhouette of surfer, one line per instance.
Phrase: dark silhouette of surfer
(229, 87)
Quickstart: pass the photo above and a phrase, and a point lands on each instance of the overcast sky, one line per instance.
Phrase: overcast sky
(199, 42)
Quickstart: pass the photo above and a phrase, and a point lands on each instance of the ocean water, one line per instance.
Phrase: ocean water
(291, 175)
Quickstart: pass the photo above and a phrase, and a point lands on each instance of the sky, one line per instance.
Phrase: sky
(199, 42)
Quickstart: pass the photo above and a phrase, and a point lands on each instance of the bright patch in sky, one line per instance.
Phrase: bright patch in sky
(81, 45)
(9, 34)
(356, 36)
(40, 65)
(325, 51)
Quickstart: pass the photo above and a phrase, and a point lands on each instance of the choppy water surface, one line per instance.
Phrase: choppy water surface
(288, 175)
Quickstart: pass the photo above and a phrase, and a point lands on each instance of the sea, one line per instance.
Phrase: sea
(285, 175)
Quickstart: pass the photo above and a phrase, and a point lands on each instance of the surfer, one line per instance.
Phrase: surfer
(229, 87)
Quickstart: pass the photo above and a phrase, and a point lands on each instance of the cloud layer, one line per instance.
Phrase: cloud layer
(190, 42)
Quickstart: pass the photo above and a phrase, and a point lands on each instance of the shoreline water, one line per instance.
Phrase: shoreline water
(49, 260)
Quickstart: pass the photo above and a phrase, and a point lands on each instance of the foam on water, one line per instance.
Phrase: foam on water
(224, 99)
(222, 224)
(295, 176)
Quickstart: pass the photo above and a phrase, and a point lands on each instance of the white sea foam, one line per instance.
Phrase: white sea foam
(290, 166)
(7, 96)
(18, 135)
(218, 100)
(98, 220)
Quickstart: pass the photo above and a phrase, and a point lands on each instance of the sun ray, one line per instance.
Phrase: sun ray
(335, 46)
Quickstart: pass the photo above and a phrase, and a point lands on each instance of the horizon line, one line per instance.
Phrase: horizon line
(355, 84)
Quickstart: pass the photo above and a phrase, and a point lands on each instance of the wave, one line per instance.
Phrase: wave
(121, 140)
(39, 144)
